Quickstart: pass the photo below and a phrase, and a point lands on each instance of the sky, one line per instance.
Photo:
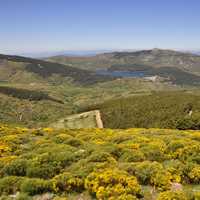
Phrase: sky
(57, 25)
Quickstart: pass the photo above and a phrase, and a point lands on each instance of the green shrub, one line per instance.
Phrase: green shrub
(45, 171)
(112, 149)
(16, 168)
(189, 122)
(73, 142)
(100, 157)
(144, 171)
(36, 186)
(56, 155)
(132, 156)
(83, 168)
(10, 184)
(153, 152)
(45, 165)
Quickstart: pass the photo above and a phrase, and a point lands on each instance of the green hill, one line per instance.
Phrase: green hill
(160, 110)
(12, 65)
(178, 67)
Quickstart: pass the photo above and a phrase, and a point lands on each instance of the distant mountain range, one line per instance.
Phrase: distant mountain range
(75, 53)
(65, 53)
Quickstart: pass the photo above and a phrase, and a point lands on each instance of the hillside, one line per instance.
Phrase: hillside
(162, 58)
(36, 93)
(41, 104)
(160, 110)
(12, 66)
(178, 67)
(155, 58)
(138, 164)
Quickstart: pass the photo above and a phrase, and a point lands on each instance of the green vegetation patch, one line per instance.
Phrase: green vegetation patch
(26, 94)
(160, 109)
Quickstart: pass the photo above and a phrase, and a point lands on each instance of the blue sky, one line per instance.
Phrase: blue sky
(55, 25)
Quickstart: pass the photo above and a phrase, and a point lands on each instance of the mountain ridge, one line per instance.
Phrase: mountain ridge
(46, 69)
(154, 57)
(181, 68)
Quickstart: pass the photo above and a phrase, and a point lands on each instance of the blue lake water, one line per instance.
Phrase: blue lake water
(121, 73)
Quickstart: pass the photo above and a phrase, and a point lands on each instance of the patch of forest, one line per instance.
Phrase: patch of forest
(161, 109)
(31, 95)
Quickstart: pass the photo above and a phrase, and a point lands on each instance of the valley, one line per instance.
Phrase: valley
(30, 83)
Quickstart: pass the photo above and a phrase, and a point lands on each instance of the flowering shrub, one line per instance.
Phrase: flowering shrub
(112, 184)
(109, 164)
(195, 175)
(162, 180)
(66, 182)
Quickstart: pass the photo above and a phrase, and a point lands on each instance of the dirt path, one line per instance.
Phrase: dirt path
(98, 119)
